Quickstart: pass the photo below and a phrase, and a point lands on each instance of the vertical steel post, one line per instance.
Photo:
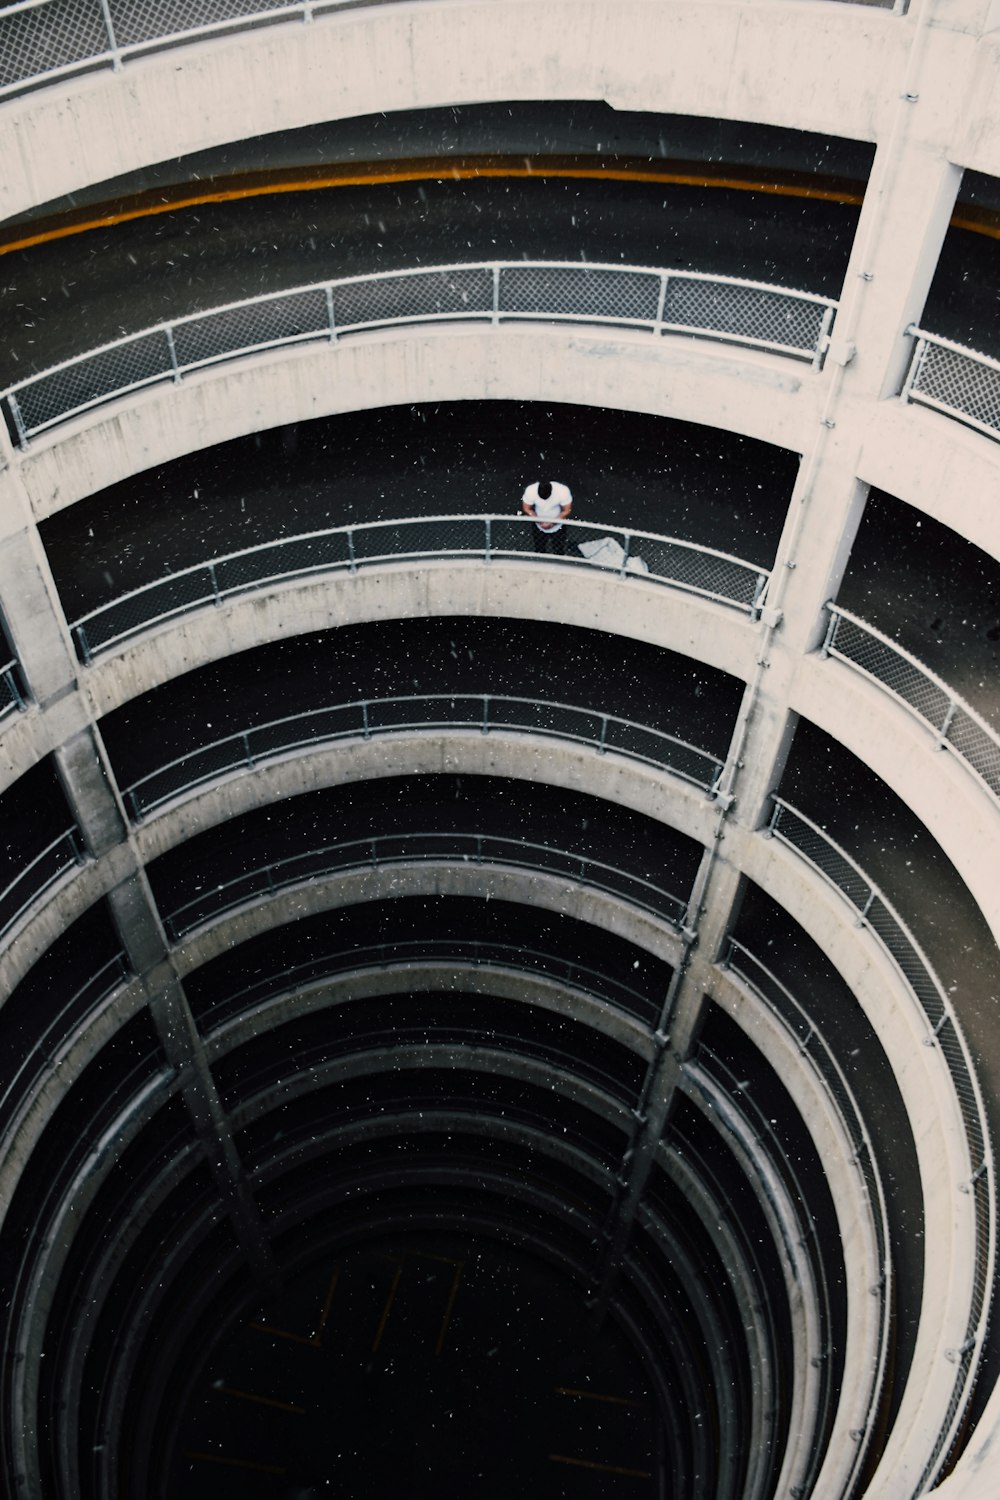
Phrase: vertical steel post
(496, 295)
(15, 411)
(172, 351)
(116, 59)
(831, 633)
(330, 316)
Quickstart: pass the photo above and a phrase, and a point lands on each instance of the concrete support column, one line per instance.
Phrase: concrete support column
(186, 1053)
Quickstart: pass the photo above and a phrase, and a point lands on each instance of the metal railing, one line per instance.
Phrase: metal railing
(944, 1032)
(954, 379)
(956, 726)
(54, 1035)
(649, 300)
(796, 1020)
(683, 565)
(11, 694)
(36, 877)
(44, 40)
(513, 957)
(768, 1146)
(373, 716)
(417, 848)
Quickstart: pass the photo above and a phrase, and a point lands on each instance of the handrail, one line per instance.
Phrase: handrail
(365, 717)
(630, 553)
(876, 913)
(799, 1024)
(14, 894)
(39, 1061)
(508, 956)
(956, 725)
(954, 379)
(95, 33)
(649, 299)
(405, 849)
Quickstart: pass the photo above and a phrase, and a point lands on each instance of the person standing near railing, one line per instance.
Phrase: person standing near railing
(548, 503)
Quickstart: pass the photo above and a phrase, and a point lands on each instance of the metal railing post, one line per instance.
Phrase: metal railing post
(758, 595)
(823, 338)
(831, 633)
(489, 539)
(602, 742)
(916, 363)
(486, 714)
(216, 596)
(365, 727)
(495, 316)
(116, 60)
(19, 427)
(350, 549)
(330, 315)
(172, 351)
(80, 636)
(946, 724)
(248, 753)
(661, 302)
(625, 555)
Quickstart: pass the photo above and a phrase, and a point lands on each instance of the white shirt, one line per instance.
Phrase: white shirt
(547, 510)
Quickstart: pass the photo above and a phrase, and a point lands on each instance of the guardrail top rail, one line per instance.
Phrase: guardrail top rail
(644, 298)
(696, 569)
(416, 848)
(954, 379)
(956, 724)
(469, 711)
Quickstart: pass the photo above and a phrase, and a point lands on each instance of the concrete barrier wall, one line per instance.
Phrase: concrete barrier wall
(808, 66)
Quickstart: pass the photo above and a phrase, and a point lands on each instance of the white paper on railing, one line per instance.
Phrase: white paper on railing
(607, 553)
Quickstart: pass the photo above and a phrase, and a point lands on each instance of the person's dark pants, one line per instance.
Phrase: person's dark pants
(550, 541)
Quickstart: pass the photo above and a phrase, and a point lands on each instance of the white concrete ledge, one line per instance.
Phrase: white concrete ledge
(807, 66)
(939, 1137)
(766, 396)
(933, 462)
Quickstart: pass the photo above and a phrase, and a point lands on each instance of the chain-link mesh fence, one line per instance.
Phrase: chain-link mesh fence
(94, 378)
(679, 564)
(413, 296)
(960, 380)
(769, 317)
(51, 38)
(850, 640)
(140, 21)
(252, 325)
(757, 315)
(590, 292)
(394, 715)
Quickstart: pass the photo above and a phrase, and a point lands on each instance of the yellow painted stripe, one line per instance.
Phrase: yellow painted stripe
(982, 221)
(584, 1463)
(230, 1390)
(568, 1390)
(236, 1463)
(457, 170)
